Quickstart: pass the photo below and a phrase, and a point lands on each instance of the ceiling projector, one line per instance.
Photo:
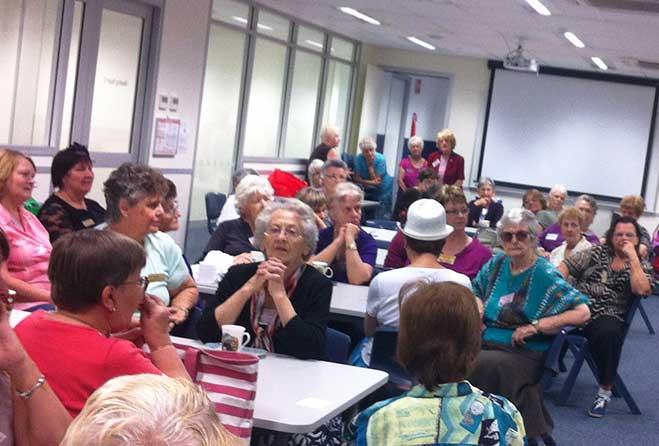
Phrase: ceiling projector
(515, 60)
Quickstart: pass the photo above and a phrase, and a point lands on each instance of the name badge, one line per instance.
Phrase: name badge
(435, 163)
(551, 236)
(88, 223)
(445, 258)
(158, 277)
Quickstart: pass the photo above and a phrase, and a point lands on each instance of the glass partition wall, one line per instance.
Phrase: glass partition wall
(270, 85)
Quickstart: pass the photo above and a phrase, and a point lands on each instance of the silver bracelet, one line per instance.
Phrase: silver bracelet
(28, 393)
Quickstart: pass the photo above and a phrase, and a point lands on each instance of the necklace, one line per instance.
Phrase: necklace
(75, 318)
(76, 204)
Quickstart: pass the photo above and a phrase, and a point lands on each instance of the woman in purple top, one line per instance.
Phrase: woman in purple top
(461, 253)
(551, 238)
(411, 166)
(346, 247)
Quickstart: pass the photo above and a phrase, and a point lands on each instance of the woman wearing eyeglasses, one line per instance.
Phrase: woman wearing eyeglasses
(526, 302)
(97, 287)
(282, 302)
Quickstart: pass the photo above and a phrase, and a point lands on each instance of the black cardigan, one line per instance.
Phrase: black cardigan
(231, 237)
(303, 336)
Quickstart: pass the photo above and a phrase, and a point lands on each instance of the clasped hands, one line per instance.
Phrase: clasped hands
(270, 274)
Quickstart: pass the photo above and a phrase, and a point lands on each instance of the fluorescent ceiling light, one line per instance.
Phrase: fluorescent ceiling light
(599, 62)
(539, 7)
(358, 15)
(421, 43)
(259, 26)
(574, 40)
(314, 43)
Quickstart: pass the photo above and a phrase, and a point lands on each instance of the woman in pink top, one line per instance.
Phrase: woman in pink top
(26, 269)
(411, 166)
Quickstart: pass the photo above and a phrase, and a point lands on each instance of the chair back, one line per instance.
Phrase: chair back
(214, 204)
(383, 357)
(382, 224)
(337, 346)
(487, 236)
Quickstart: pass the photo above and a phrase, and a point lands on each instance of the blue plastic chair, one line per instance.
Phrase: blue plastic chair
(383, 357)
(214, 203)
(337, 346)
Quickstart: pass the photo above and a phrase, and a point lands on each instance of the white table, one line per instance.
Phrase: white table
(380, 234)
(349, 300)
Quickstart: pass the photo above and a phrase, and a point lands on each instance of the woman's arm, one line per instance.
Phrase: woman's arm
(358, 271)
(184, 298)
(640, 284)
(552, 325)
(328, 255)
(25, 292)
(401, 179)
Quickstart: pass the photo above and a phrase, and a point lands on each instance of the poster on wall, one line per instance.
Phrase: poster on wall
(167, 137)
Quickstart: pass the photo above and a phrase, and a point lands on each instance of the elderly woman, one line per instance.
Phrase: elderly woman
(526, 302)
(333, 173)
(67, 209)
(229, 209)
(411, 166)
(551, 238)
(450, 166)
(97, 287)
(485, 210)
(233, 236)
(633, 206)
(133, 194)
(34, 403)
(151, 410)
(612, 275)
(371, 173)
(425, 233)
(316, 200)
(345, 246)
(313, 173)
(534, 201)
(571, 221)
(25, 270)
(282, 302)
(169, 220)
(557, 196)
(438, 344)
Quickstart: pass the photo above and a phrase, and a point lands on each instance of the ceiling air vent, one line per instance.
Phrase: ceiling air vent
(651, 6)
(647, 65)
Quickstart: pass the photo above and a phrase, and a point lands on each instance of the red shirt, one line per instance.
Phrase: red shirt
(455, 170)
(77, 360)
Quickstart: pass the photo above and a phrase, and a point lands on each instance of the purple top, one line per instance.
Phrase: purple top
(468, 262)
(411, 178)
(366, 247)
(551, 238)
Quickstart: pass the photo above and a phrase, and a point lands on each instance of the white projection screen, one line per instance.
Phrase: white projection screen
(590, 135)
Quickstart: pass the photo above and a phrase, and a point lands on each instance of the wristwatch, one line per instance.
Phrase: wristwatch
(536, 325)
(352, 246)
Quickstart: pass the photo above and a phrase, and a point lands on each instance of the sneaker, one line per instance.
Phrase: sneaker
(598, 409)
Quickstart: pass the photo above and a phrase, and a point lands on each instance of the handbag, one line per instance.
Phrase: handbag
(285, 184)
(229, 379)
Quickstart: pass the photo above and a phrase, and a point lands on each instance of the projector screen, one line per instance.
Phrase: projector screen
(589, 135)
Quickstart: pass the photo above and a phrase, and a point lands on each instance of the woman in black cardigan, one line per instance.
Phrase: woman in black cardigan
(282, 302)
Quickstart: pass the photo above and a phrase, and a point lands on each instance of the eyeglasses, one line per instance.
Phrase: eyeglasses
(336, 177)
(521, 236)
(461, 211)
(143, 282)
(624, 234)
(276, 231)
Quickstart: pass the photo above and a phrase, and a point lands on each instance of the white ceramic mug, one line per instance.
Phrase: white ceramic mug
(323, 268)
(257, 256)
(240, 337)
(207, 273)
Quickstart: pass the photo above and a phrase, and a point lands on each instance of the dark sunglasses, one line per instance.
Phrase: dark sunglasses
(521, 236)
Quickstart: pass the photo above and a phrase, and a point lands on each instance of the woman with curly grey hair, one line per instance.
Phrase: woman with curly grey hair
(134, 194)
(282, 302)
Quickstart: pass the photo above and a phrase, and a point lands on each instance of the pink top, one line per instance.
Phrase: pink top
(411, 178)
(29, 251)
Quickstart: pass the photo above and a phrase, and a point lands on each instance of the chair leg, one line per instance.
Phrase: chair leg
(622, 390)
(579, 357)
(646, 319)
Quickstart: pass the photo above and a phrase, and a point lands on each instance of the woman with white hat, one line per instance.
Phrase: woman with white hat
(425, 232)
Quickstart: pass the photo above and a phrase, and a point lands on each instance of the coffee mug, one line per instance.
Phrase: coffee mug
(323, 268)
(239, 337)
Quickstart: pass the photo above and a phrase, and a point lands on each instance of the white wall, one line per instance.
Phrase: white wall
(429, 105)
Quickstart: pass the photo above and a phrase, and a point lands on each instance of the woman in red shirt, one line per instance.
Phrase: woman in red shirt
(449, 165)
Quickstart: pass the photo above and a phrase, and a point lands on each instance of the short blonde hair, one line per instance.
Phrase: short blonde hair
(572, 213)
(141, 410)
(447, 135)
(635, 202)
(9, 159)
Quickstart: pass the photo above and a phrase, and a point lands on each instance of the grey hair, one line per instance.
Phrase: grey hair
(328, 130)
(345, 190)
(145, 409)
(588, 199)
(367, 143)
(306, 219)
(485, 181)
(340, 164)
(516, 216)
(239, 174)
(315, 166)
(415, 141)
(558, 188)
(131, 182)
(250, 185)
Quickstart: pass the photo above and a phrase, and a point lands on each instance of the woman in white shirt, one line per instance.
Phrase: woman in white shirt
(571, 220)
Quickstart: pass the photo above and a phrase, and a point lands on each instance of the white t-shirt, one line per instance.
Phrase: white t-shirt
(229, 211)
(382, 302)
(558, 254)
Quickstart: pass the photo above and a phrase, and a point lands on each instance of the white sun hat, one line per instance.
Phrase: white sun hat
(426, 220)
